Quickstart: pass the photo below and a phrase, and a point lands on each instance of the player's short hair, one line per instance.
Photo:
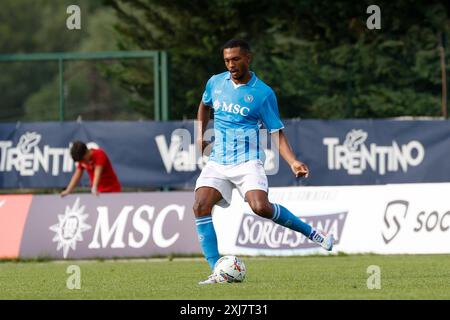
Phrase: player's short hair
(78, 150)
(237, 43)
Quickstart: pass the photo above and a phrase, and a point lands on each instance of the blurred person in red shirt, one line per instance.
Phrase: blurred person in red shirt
(97, 164)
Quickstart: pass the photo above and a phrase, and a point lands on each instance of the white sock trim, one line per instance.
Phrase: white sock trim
(277, 211)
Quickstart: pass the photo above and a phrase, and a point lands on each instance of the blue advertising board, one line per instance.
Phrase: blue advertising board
(163, 154)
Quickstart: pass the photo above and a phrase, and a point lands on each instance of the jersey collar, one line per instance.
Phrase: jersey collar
(250, 83)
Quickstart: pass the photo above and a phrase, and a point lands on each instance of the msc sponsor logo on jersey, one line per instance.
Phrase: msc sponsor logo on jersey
(231, 108)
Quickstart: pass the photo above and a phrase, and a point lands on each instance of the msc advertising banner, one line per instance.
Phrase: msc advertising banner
(107, 226)
(157, 154)
(400, 219)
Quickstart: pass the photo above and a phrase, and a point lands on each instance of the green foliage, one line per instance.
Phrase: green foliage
(30, 91)
(90, 90)
(30, 27)
(318, 56)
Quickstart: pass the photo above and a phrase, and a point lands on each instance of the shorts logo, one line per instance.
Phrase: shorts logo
(248, 98)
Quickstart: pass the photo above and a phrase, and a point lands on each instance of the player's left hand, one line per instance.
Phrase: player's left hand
(299, 169)
(94, 191)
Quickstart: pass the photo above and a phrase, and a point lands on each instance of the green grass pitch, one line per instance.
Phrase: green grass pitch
(313, 277)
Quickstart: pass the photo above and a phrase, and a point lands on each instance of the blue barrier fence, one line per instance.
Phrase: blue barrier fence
(163, 154)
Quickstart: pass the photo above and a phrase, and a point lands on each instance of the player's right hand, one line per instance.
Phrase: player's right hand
(300, 169)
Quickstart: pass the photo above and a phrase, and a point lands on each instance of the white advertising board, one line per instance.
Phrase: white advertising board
(397, 219)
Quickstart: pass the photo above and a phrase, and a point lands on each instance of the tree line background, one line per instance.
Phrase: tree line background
(318, 56)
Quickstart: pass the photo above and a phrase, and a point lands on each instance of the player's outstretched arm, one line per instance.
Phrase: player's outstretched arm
(298, 168)
(203, 116)
(73, 182)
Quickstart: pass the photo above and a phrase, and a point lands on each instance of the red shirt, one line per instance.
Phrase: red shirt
(108, 181)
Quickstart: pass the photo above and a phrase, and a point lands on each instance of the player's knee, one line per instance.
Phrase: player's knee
(202, 208)
(261, 208)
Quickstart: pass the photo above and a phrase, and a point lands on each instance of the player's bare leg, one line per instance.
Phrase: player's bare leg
(205, 199)
(260, 204)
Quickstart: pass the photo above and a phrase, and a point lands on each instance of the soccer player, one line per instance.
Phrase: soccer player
(97, 164)
(241, 102)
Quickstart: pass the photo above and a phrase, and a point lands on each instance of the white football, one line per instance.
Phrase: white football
(229, 269)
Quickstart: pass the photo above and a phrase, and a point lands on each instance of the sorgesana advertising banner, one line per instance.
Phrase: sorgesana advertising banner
(384, 219)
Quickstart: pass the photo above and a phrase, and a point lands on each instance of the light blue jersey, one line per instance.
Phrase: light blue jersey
(239, 113)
